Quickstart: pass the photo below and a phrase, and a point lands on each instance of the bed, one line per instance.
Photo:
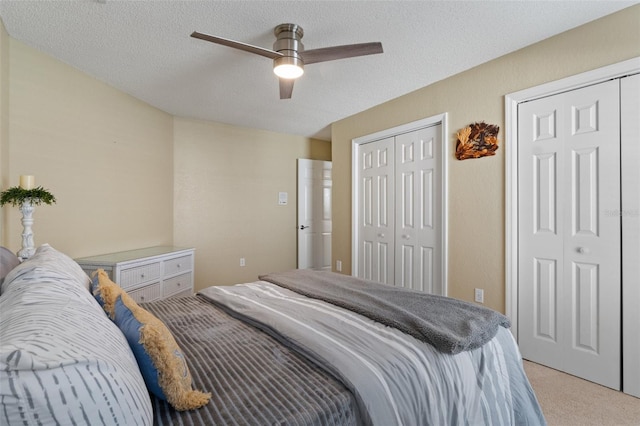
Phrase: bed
(271, 352)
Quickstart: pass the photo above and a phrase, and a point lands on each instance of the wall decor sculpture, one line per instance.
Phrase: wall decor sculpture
(477, 140)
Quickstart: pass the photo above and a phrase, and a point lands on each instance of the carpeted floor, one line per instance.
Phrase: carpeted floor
(570, 401)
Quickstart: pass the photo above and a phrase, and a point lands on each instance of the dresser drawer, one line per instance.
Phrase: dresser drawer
(131, 277)
(176, 284)
(185, 293)
(146, 294)
(178, 265)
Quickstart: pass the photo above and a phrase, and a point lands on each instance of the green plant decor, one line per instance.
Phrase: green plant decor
(16, 196)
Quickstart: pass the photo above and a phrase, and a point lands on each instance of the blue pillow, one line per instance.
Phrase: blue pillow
(130, 327)
(160, 359)
(95, 289)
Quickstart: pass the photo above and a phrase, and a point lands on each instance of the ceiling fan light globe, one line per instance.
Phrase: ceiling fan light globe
(289, 66)
(288, 71)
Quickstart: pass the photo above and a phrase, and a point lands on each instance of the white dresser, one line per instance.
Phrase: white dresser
(147, 274)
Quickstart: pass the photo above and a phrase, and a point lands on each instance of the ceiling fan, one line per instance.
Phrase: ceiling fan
(289, 56)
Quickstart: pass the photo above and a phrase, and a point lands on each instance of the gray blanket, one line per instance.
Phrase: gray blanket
(255, 381)
(450, 325)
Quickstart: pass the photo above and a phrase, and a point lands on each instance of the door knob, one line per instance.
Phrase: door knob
(380, 235)
(303, 227)
(583, 250)
(406, 236)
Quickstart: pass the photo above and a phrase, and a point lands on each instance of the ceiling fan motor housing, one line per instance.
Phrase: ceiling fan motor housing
(288, 43)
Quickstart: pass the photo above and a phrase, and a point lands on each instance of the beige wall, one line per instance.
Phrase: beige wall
(106, 156)
(109, 159)
(477, 187)
(227, 181)
(4, 116)
(113, 161)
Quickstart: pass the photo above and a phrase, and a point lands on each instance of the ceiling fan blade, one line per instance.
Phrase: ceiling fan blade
(271, 54)
(286, 88)
(340, 52)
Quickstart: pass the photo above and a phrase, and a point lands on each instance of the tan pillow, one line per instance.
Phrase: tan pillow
(160, 359)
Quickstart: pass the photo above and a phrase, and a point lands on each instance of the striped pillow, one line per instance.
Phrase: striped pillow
(62, 361)
(49, 265)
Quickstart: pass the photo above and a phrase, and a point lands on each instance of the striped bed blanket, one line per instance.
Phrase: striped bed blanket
(396, 379)
(254, 380)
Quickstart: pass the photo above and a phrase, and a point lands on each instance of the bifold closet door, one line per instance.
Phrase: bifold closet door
(569, 272)
(376, 236)
(400, 209)
(418, 209)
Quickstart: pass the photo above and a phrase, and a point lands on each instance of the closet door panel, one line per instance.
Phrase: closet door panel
(376, 186)
(418, 233)
(569, 247)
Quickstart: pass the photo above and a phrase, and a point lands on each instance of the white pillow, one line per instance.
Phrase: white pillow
(62, 360)
(48, 264)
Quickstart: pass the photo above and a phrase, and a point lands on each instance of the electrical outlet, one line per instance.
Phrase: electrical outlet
(242, 261)
(339, 265)
(479, 295)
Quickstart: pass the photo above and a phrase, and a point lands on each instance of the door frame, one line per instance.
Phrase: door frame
(439, 119)
(618, 70)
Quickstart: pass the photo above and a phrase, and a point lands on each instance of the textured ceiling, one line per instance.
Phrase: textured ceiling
(143, 48)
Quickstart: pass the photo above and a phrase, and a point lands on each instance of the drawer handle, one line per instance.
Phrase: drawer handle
(178, 266)
(141, 298)
(141, 275)
(179, 284)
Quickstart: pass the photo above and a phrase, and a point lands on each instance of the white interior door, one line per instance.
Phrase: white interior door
(376, 200)
(569, 272)
(314, 214)
(418, 207)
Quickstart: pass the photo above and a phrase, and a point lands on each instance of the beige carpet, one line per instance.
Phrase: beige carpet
(567, 400)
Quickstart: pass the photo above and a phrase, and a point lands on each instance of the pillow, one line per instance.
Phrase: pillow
(62, 361)
(49, 265)
(8, 261)
(159, 357)
(105, 291)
